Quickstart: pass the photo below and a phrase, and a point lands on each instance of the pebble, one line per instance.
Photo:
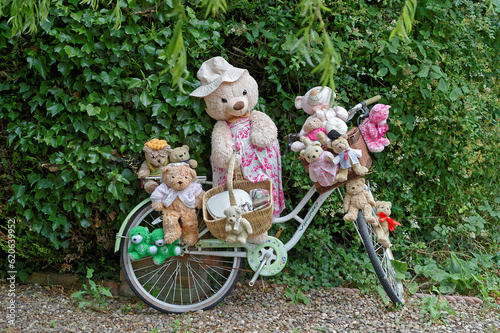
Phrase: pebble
(247, 310)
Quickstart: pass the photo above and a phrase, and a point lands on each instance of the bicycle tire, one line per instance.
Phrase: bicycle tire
(380, 258)
(184, 283)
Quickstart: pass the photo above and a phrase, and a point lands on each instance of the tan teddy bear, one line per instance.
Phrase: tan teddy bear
(346, 158)
(231, 94)
(181, 155)
(156, 153)
(357, 198)
(321, 166)
(177, 197)
(237, 227)
(383, 211)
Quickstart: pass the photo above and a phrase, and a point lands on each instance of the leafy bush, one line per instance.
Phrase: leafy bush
(79, 99)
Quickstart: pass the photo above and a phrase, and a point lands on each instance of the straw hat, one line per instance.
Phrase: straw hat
(212, 73)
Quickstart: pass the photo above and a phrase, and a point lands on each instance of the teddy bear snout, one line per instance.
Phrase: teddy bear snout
(239, 105)
(136, 239)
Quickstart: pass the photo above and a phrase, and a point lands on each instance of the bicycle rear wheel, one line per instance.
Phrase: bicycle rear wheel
(380, 258)
(188, 282)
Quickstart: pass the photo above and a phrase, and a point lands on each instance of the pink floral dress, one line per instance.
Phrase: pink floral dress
(257, 163)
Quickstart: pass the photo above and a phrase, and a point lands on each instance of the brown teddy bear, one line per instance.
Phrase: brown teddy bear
(237, 227)
(181, 155)
(346, 158)
(357, 198)
(230, 94)
(156, 153)
(383, 211)
(177, 197)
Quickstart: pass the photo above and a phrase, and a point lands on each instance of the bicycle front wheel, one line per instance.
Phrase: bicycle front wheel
(188, 282)
(380, 258)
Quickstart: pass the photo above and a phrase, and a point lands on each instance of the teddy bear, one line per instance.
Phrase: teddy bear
(321, 166)
(140, 244)
(181, 155)
(230, 95)
(386, 224)
(156, 153)
(374, 128)
(313, 126)
(346, 158)
(164, 250)
(237, 227)
(177, 197)
(357, 198)
(316, 102)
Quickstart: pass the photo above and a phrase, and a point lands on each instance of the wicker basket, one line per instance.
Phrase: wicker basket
(356, 141)
(261, 219)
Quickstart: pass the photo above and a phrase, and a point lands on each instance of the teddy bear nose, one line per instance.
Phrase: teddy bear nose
(239, 105)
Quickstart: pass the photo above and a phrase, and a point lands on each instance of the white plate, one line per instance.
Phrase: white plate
(220, 202)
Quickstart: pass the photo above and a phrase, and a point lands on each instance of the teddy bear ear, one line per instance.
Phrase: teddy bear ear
(185, 147)
(345, 136)
(166, 169)
(298, 102)
(302, 153)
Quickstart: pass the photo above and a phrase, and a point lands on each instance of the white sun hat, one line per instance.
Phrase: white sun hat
(212, 73)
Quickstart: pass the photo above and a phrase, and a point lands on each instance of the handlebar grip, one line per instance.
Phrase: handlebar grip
(373, 100)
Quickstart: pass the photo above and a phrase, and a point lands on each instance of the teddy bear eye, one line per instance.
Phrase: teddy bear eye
(224, 100)
(244, 92)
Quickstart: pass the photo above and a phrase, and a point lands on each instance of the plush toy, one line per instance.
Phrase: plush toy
(316, 102)
(177, 197)
(374, 128)
(156, 153)
(383, 211)
(313, 126)
(181, 155)
(357, 198)
(346, 158)
(164, 250)
(321, 166)
(335, 127)
(140, 246)
(230, 95)
(237, 227)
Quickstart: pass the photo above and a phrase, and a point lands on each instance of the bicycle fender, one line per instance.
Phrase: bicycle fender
(119, 235)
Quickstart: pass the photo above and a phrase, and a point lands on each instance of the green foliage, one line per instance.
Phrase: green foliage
(81, 96)
(93, 296)
(434, 309)
(296, 296)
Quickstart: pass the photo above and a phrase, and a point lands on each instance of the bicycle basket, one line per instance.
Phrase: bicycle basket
(261, 220)
(356, 141)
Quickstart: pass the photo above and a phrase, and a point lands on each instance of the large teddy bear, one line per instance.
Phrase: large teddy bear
(230, 95)
(316, 103)
(156, 153)
(177, 197)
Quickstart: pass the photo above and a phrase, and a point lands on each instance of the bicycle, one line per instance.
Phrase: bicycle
(204, 274)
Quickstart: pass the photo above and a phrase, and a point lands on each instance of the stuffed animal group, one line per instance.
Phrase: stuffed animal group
(177, 197)
(144, 244)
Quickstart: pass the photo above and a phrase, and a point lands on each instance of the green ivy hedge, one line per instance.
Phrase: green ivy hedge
(79, 99)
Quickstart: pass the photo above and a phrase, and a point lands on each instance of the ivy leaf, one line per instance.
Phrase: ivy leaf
(146, 98)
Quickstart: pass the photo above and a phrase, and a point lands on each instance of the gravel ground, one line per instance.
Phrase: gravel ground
(257, 309)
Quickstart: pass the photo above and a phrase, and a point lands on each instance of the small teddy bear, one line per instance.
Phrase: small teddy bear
(383, 211)
(181, 155)
(374, 128)
(156, 153)
(177, 197)
(346, 158)
(314, 128)
(164, 250)
(357, 198)
(140, 246)
(321, 166)
(237, 227)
